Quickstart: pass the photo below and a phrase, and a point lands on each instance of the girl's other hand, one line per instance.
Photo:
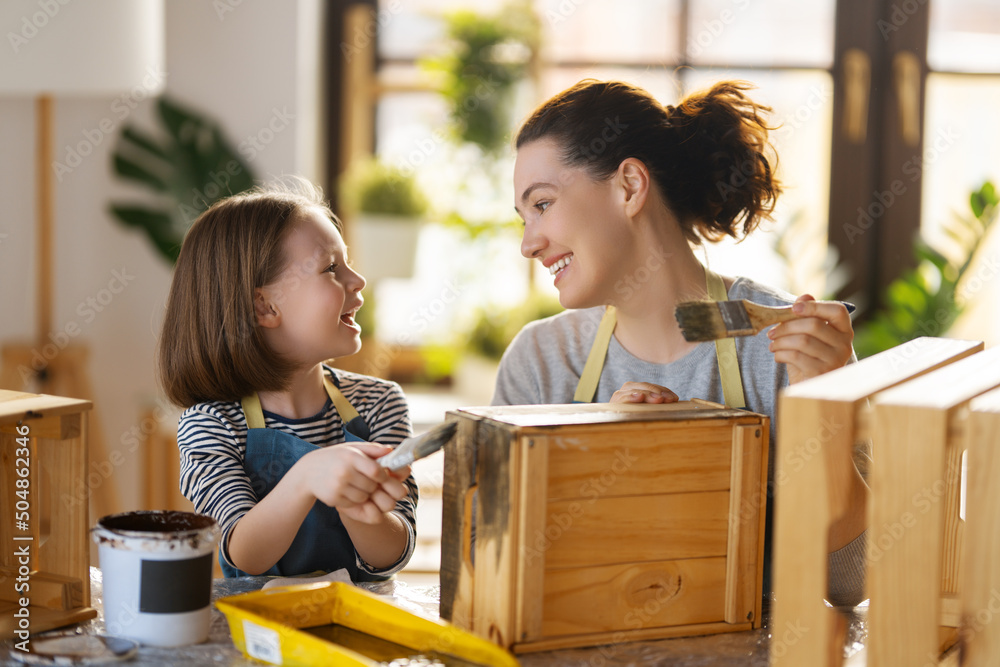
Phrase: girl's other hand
(816, 343)
(643, 392)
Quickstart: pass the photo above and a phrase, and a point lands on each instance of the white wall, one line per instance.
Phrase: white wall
(253, 69)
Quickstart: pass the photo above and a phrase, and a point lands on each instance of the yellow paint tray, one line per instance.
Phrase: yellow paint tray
(268, 625)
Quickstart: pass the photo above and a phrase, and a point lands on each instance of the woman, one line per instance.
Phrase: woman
(614, 190)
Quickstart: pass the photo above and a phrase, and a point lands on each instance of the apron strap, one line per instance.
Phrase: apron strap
(252, 411)
(586, 389)
(725, 349)
(355, 428)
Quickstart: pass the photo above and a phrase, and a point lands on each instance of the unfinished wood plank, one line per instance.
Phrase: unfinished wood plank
(621, 636)
(51, 591)
(14, 406)
(694, 456)
(67, 549)
(747, 499)
(855, 382)
(801, 522)
(634, 596)
(907, 487)
(529, 606)
(631, 529)
(981, 572)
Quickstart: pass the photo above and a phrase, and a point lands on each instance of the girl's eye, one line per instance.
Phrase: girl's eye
(332, 268)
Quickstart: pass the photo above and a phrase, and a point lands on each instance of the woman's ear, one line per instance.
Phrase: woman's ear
(634, 180)
(266, 313)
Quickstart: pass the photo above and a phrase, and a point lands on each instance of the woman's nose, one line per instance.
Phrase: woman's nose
(532, 242)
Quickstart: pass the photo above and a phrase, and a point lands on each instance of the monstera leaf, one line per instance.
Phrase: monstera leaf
(188, 168)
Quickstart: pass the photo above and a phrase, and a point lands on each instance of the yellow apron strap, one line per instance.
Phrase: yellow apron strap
(252, 411)
(725, 349)
(344, 407)
(586, 389)
(255, 415)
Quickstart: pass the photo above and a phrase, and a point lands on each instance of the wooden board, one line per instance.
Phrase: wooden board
(981, 605)
(634, 596)
(631, 529)
(810, 467)
(694, 456)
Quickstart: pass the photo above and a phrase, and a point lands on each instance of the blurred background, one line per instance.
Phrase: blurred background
(121, 120)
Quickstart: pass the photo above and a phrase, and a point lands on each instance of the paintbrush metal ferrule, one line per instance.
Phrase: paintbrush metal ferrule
(417, 447)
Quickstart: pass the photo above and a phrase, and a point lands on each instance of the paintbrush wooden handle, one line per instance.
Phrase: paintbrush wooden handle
(762, 317)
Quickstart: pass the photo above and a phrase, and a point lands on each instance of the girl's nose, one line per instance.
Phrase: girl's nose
(358, 281)
(532, 243)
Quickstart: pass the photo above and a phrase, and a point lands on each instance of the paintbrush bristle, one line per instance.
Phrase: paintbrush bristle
(700, 321)
(419, 446)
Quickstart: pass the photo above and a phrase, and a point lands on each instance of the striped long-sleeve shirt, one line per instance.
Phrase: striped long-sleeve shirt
(212, 439)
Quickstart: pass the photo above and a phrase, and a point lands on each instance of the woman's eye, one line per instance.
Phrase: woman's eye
(542, 205)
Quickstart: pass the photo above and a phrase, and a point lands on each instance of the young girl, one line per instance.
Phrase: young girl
(614, 190)
(276, 445)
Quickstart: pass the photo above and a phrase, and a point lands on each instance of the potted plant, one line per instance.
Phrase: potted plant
(388, 208)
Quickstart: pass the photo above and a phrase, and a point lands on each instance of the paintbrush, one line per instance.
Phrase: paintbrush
(418, 446)
(711, 320)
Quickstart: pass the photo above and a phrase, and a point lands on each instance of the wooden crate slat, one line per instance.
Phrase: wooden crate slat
(634, 596)
(878, 372)
(696, 456)
(981, 582)
(633, 529)
(747, 499)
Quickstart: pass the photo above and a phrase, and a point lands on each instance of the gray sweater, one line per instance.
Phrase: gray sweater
(544, 362)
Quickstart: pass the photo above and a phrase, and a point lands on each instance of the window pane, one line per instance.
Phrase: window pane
(763, 32)
(659, 82)
(629, 32)
(410, 29)
(803, 109)
(960, 149)
(964, 36)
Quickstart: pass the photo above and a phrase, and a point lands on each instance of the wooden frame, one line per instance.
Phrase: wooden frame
(913, 402)
(52, 543)
(603, 523)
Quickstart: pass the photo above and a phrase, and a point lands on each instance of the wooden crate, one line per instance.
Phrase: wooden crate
(913, 403)
(603, 523)
(44, 530)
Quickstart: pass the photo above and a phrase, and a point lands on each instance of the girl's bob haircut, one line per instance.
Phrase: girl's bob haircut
(211, 348)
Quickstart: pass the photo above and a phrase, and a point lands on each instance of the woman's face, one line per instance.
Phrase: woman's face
(574, 225)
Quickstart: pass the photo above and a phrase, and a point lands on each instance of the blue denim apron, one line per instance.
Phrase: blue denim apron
(322, 543)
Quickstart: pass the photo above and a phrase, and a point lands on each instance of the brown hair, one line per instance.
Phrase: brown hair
(707, 156)
(211, 348)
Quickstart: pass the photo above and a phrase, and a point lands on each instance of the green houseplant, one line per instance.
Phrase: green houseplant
(187, 165)
(388, 208)
(924, 300)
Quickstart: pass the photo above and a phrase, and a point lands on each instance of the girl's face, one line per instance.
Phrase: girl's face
(316, 296)
(572, 224)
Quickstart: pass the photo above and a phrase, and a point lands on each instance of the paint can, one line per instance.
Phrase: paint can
(157, 573)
